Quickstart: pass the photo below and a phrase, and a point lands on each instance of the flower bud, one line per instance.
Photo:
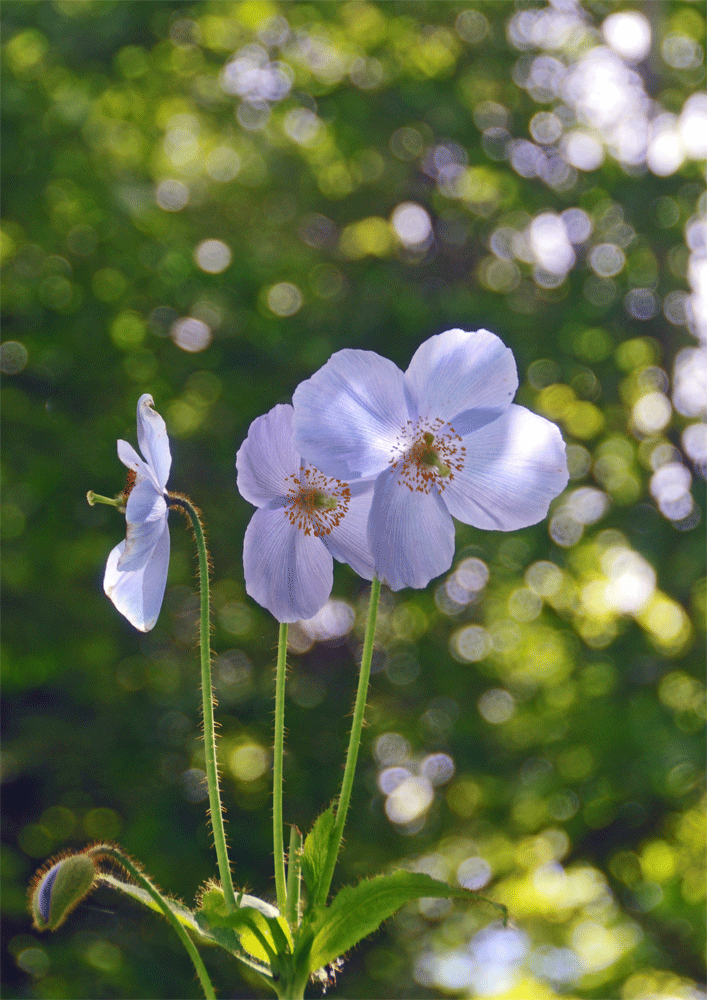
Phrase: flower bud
(56, 891)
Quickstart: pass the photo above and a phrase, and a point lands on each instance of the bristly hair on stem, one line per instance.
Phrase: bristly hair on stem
(215, 812)
(114, 856)
(118, 857)
(278, 754)
(189, 510)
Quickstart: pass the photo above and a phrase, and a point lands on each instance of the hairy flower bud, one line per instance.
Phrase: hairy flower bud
(56, 890)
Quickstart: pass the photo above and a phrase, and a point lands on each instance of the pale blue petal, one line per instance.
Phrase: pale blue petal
(138, 593)
(348, 541)
(349, 415)
(411, 533)
(465, 379)
(129, 457)
(513, 468)
(153, 440)
(267, 457)
(289, 573)
(146, 515)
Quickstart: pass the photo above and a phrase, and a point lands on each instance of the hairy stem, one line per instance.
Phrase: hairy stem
(294, 877)
(279, 749)
(354, 743)
(108, 851)
(207, 694)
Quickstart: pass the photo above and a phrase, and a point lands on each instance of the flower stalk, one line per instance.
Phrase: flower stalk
(278, 753)
(294, 878)
(354, 744)
(116, 855)
(183, 503)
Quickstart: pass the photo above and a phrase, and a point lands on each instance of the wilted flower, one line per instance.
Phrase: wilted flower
(136, 571)
(303, 519)
(441, 439)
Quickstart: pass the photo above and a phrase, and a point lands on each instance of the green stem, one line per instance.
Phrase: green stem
(207, 694)
(294, 879)
(292, 989)
(106, 850)
(278, 834)
(354, 743)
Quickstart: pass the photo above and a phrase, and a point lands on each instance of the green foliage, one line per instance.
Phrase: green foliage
(327, 933)
(315, 849)
(181, 912)
(259, 929)
(359, 910)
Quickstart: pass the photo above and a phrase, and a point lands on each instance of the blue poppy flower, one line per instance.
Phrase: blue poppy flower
(136, 571)
(304, 521)
(441, 440)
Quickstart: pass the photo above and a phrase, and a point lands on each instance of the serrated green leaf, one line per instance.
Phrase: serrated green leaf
(315, 850)
(207, 933)
(214, 908)
(230, 940)
(181, 912)
(260, 928)
(359, 910)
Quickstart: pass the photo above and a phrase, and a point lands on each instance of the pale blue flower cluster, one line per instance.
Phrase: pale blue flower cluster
(368, 466)
(372, 463)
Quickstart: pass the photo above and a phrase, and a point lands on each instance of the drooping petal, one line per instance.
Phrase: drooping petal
(130, 458)
(466, 379)
(411, 534)
(137, 593)
(513, 468)
(349, 414)
(145, 514)
(153, 440)
(267, 457)
(289, 573)
(348, 541)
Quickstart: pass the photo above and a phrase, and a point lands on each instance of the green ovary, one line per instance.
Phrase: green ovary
(430, 457)
(323, 501)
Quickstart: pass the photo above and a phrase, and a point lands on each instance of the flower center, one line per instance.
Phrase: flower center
(316, 504)
(427, 454)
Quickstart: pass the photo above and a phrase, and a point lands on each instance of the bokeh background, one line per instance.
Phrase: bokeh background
(203, 201)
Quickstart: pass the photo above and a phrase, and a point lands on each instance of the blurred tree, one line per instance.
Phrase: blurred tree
(203, 201)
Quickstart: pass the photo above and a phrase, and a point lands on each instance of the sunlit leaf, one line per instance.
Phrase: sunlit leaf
(315, 850)
(359, 910)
